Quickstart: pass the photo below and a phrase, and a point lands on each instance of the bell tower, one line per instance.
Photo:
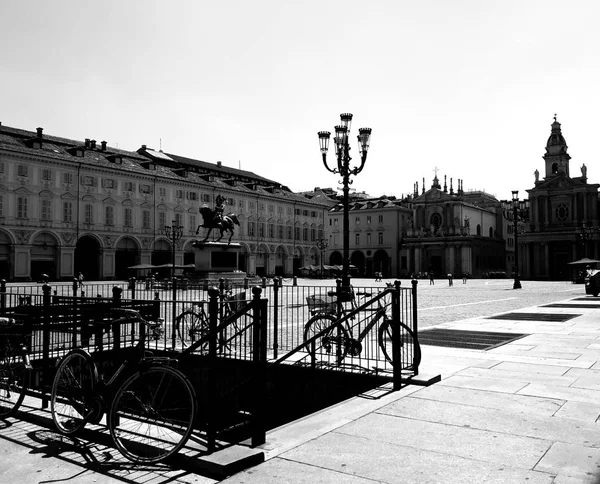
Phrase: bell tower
(556, 157)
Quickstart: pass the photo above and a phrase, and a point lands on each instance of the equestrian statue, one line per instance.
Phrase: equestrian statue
(214, 219)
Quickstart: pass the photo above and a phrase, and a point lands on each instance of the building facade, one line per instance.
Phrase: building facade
(453, 232)
(68, 206)
(562, 226)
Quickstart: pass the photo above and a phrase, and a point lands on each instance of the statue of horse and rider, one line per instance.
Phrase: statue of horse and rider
(214, 219)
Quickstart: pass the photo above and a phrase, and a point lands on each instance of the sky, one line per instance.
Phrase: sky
(467, 87)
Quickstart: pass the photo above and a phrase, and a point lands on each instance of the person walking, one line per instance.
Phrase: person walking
(80, 280)
(431, 279)
(450, 279)
(464, 277)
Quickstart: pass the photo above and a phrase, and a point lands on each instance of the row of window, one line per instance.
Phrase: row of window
(357, 238)
(146, 189)
(334, 221)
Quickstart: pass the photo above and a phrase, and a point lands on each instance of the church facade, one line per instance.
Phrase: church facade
(453, 232)
(563, 219)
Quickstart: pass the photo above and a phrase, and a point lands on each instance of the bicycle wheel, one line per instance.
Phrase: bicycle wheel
(407, 340)
(153, 414)
(73, 401)
(333, 341)
(13, 382)
(191, 327)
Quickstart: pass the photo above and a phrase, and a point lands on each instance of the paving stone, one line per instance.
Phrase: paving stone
(532, 368)
(517, 376)
(278, 471)
(489, 384)
(502, 401)
(545, 427)
(571, 460)
(584, 411)
(562, 393)
(493, 447)
(393, 462)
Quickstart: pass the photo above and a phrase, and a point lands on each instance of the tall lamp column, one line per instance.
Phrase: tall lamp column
(322, 244)
(342, 149)
(173, 233)
(516, 211)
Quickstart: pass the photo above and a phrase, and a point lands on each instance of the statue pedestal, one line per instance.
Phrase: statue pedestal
(215, 260)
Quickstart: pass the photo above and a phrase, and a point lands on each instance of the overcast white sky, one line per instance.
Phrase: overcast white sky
(468, 86)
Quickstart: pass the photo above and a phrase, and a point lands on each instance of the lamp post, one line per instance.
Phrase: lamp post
(516, 210)
(584, 233)
(173, 233)
(322, 245)
(342, 150)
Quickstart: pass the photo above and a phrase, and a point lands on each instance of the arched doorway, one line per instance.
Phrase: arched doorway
(161, 255)
(88, 257)
(336, 258)
(358, 260)
(381, 262)
(127, 255)
(44, 254)
(5, 257)
(280, 259)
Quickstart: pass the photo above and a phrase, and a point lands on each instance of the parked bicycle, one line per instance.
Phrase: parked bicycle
(193, 323)
(150, 406)
(335, 333)
(15, 365)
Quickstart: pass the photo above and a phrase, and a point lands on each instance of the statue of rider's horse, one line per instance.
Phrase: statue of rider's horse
(211, 221)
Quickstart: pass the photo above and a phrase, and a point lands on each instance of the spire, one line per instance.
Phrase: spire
(556, 157)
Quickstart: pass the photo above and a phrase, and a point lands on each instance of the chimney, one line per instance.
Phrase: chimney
(87, 142)
(93, 144)
(39, 132)
(144, 147)
(218, 163)
(103, 143)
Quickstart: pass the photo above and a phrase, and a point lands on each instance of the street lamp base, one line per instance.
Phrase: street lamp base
(517, 284)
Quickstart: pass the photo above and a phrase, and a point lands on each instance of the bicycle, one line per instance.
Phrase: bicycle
(151, 413)
(193, 323)
(15, 365)
(330, 332)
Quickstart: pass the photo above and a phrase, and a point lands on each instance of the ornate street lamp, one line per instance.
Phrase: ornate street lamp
(173, 233)
(342, 150)
(515, 210)
(584, 234)
(322, 245)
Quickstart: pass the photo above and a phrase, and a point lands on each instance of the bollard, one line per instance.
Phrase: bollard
(295, 281)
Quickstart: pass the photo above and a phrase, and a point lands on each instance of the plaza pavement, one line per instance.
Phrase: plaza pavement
(524, 412)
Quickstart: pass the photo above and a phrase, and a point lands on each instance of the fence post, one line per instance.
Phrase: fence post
(173, 312)
(132, 287)
(46, 382)
(415, 325)
(76, 321)
(213, 320)
(295, 283)
(116, 328)
(2, 294)
(259, 358)
(276, 287)
(396, 337)
(246, 282)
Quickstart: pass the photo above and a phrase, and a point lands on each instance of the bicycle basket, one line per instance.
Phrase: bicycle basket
(321, 304)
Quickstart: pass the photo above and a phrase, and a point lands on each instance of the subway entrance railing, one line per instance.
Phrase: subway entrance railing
(244, 352)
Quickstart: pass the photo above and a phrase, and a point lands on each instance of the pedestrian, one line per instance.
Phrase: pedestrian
(431, 280)
(80, 280)
(450, 279)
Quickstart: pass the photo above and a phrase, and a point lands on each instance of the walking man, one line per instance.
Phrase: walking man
(80, 280)
(431, 280)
